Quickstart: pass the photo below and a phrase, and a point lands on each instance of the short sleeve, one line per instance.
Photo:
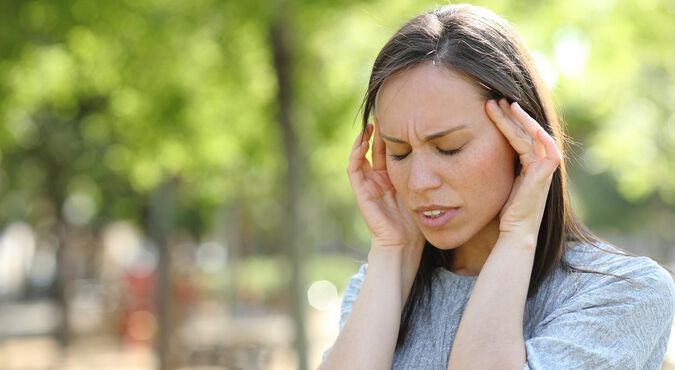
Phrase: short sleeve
(617, 325)
(351, 293)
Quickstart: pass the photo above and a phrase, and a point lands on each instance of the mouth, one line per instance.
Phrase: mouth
(435, 217)
(434, 213)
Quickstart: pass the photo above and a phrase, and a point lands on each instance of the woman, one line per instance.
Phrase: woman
(476, 259)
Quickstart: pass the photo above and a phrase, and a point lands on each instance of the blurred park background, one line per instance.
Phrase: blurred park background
(172, 173)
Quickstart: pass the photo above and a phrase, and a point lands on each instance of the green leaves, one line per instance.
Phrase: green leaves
(132, 92)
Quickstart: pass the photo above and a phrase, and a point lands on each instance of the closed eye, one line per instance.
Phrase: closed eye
(450, 152)
(399, 157)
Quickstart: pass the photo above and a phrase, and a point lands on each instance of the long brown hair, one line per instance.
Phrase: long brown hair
(486, 49)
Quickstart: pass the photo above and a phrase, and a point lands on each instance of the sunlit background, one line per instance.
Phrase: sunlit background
(172, 173)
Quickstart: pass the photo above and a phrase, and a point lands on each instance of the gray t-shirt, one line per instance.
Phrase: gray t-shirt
(575, 321)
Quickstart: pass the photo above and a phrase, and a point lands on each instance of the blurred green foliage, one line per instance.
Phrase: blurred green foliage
(102, 101)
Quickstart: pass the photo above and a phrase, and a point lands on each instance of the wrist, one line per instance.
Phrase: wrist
(404, 258)
(385, 254)
(525, 241)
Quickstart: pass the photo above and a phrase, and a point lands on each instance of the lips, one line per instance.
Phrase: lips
(434, 216)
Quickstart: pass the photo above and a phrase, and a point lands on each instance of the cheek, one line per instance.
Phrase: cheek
(490, 177)
(397, 174)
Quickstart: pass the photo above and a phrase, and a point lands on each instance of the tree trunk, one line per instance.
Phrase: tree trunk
(160, 223)
(63, 279)
(281, 45)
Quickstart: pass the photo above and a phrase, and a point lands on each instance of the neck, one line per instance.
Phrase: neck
(469, 258)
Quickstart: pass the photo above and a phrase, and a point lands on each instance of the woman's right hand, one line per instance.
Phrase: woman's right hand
(368, 337)
(391, 224)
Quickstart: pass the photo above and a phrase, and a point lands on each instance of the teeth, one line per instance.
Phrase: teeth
(433, 214)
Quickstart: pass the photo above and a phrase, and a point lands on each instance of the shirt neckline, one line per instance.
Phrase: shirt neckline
(455, 276)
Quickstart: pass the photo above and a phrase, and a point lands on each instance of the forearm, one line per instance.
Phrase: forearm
(490, 334)
(368, 338)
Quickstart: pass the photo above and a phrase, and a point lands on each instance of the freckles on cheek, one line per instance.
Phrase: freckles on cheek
(397, 176)
(494, 175)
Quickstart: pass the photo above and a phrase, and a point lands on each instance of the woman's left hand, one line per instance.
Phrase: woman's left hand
(539, 158)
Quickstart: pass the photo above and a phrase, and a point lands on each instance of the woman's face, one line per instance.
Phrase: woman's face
(445, 157)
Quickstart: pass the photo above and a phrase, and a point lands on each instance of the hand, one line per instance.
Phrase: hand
(389, 221)
(539, 158)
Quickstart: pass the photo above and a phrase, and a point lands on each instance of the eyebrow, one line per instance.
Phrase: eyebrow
(427, 138)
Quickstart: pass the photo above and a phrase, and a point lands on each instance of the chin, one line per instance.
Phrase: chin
(443, 241)
(459, 235)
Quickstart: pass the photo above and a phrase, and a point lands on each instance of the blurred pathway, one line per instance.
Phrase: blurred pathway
(42, 353)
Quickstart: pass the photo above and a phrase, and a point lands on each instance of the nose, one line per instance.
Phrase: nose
(423, 175)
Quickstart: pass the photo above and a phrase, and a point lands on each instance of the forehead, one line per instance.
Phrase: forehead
(428, 94)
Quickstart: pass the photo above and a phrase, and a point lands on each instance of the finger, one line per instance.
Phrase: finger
(526, 126)
(357, 158)
(538, 146)
(360, 137)
(526, 121)
(544, 168)
(361, 145)
(532, 127)
(379, 151)
(358, 165)
(517, 137)
(553, 155)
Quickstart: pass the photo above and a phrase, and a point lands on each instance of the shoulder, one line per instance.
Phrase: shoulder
(620, 277)
(608, 262)
(618, 316)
